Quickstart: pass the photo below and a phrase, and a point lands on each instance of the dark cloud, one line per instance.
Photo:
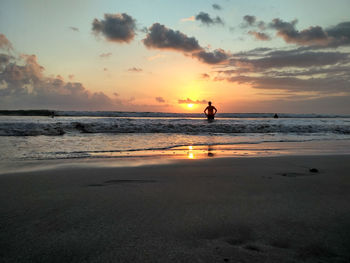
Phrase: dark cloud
(254, 52)
(5, 59)
(160, 99)
(259, 35)
(214, 57)
(74, 28)
(5, 43)
(105, 55)
(216, 6)
(162, 37)
(27, 87)
(189, 101)
(249, 20)
(340, 34)
(231, 72)
(335, 36)
(292, 58)
(207, 20)
(338, 70)
(115, 27)
(312, 36)
(134, 69)
(297, 70)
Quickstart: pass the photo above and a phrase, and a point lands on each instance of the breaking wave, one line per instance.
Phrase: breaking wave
(60, 126)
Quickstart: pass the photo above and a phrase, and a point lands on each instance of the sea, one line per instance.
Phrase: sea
(133, 138)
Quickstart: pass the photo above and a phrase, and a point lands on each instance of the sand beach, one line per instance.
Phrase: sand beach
(268, 209)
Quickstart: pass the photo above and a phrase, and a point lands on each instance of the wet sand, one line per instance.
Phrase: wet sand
(270, 209)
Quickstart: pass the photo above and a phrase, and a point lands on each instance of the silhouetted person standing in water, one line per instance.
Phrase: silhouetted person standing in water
(210, 111)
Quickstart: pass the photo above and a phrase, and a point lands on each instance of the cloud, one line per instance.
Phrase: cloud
(300, 70)
(205, 76)
(115, 27)
(254, 52)
(215, 57)
(105, 55)
(207, 20)
(314, 35)
(335, 36)
(161, 37)
(339, 70)
(160, 99)
(74, 28)
(157, 56)
(327, 85)
(191, 18)
(5, 43)
(291, 58)
(249, 20)
(340, 33)
(216, 6)
(259, 35)
(134, 69)
(189, 101)
(4, 60)
(26, 86)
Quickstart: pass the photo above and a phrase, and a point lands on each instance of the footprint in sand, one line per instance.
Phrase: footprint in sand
(292, 174)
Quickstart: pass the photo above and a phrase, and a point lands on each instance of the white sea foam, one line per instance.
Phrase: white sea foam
(33, 126)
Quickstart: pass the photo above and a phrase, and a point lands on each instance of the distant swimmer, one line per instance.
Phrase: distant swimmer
(210, 111)
(275, 116)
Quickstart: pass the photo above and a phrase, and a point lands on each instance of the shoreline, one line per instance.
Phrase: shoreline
(269, 209)
(177, 154)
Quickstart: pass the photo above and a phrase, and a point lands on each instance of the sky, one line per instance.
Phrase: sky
(175, 56)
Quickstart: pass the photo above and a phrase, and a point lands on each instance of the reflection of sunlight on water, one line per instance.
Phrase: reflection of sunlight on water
(193, 152)
(208, 151)
(190, 154)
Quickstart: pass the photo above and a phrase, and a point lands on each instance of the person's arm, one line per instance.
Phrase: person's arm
(215, 110)
(205, 110)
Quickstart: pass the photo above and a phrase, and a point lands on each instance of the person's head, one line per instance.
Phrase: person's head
(209, 103)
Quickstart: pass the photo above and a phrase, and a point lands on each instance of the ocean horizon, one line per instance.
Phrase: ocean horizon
(101, 113)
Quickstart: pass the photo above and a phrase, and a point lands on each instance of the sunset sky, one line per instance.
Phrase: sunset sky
(162, 55)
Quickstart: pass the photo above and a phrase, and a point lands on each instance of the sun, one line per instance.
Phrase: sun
(190, 105)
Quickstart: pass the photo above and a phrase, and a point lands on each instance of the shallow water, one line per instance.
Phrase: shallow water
(29, 139)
